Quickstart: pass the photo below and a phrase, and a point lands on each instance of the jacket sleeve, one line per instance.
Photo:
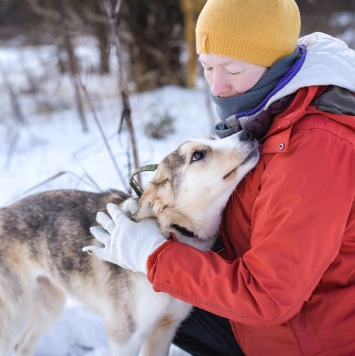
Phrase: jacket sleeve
(297, 224)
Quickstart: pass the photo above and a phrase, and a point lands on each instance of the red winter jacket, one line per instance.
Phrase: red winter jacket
(287, 280)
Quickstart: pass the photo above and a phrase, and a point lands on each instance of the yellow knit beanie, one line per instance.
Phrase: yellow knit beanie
(255, 31)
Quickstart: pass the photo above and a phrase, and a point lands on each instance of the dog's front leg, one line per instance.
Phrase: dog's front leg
(126, 350)
(159, 340)
(125, 337)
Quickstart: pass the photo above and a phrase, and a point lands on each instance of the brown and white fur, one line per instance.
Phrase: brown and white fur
(41, 261)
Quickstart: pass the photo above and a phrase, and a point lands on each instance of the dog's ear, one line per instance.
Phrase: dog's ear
(146, 202)
(153, 200)
(208, 137)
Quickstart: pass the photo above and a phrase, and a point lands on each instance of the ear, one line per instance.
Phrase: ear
(146, 202)
(208, 137)
(153, 200)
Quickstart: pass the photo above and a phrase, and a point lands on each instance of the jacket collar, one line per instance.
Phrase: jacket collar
(329, 61)
(307, 101)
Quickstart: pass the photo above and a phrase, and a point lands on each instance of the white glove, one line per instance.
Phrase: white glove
(126, 243)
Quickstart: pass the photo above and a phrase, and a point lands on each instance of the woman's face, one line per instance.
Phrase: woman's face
(228, 76)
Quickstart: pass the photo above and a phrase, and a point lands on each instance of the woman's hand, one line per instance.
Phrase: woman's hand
(126, 243)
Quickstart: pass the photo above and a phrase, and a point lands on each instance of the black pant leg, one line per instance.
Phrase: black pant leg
(206, 334)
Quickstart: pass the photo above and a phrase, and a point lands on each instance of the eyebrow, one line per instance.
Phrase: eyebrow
(200, 60)
(223, 63)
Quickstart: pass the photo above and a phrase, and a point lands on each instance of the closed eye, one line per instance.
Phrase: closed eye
(198, 155)
(232, 73)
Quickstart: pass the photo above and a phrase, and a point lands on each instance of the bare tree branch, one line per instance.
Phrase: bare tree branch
(117, 7)
(112, 14)
(73, 66)
(108, 147)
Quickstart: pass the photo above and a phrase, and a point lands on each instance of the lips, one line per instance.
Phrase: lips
(251, 155)
(229, 173)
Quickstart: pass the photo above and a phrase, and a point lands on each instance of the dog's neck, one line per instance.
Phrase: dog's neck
(188, 233)
(198, 229)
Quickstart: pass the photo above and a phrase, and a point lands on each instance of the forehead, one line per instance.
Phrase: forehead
(201, 141)
(217, 59)
(206, 143)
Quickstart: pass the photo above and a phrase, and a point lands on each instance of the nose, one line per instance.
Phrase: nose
(219, 86)
(246, 135)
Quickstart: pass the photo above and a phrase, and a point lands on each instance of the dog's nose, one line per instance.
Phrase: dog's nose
(246, 135)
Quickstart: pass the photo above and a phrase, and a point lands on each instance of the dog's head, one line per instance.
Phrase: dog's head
(192, 185)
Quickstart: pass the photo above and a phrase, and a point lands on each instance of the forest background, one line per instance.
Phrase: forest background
(143, 45)
(154, 33)
(92, 89)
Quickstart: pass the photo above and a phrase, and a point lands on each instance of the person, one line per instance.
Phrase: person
(285, 282)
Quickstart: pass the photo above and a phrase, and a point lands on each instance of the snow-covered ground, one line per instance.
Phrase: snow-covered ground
(42, 147)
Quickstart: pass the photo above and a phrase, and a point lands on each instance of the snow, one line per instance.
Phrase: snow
(43, 147)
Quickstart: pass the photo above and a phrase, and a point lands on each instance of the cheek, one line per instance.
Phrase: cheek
(208, 77)
(246, 82)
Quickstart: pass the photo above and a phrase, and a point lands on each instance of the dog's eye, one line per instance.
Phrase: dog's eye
(197, 155)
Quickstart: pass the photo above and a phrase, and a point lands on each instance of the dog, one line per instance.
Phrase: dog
(41, 240)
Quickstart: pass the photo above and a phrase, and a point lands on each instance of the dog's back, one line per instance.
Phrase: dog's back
(41, 240)
(48, 231)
